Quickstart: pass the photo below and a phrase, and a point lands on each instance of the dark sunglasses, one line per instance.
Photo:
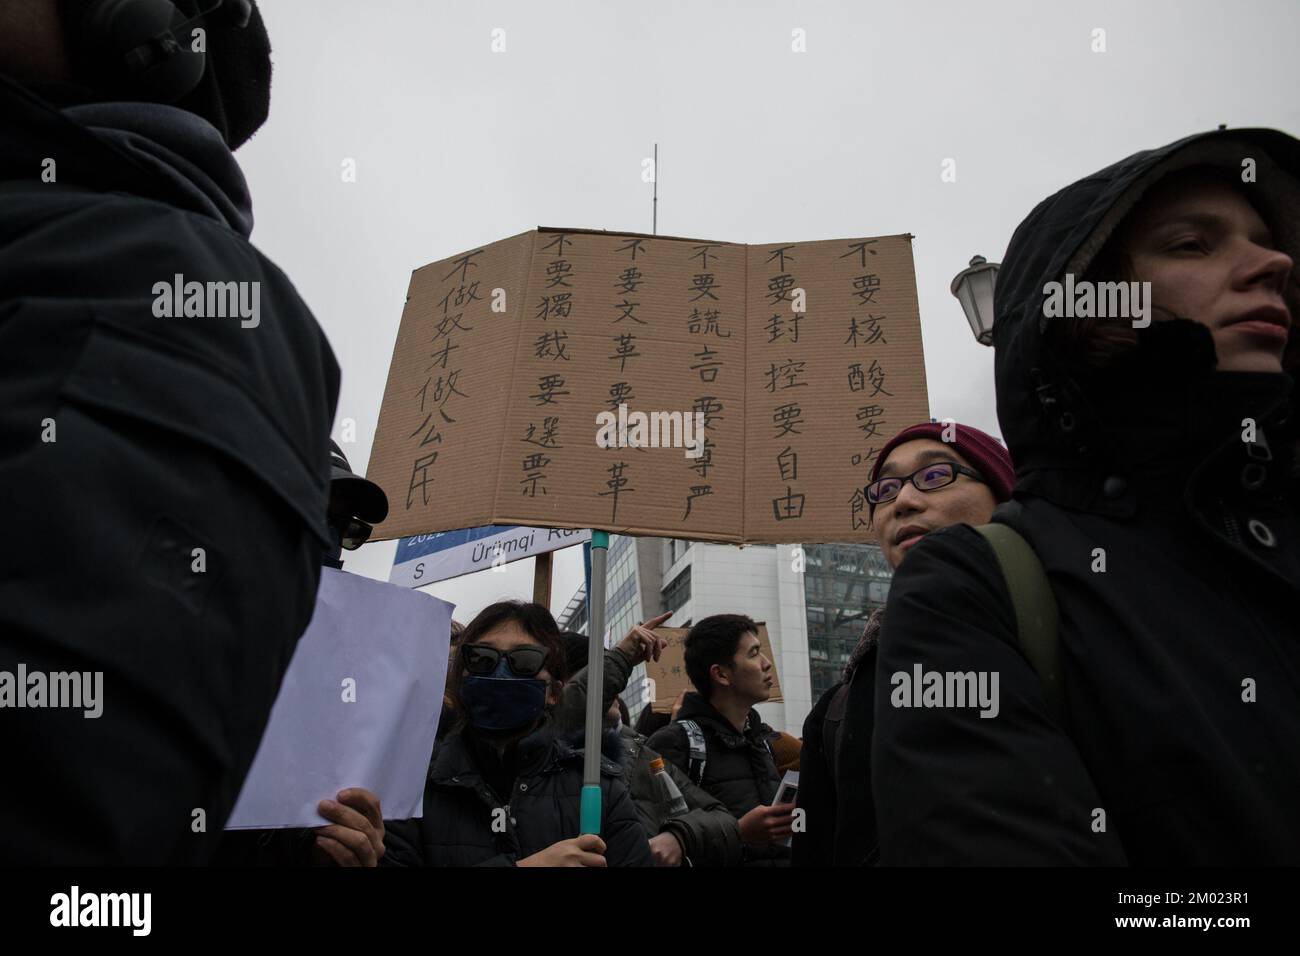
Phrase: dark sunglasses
(356, 534)
(929, 477)
(482, 659)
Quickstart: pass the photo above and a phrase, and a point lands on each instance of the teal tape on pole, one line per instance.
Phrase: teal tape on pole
(589, 821)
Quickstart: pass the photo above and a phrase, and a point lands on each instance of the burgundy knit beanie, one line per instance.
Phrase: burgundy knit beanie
(985, 453)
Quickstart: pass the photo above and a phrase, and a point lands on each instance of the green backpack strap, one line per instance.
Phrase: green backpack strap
(1035, 607)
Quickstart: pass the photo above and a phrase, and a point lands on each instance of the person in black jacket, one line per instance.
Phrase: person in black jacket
(505, 784)
(731, 674)
(958, 474)
(166, 470)
(354, 835)
(707, 834)
(1155, 449)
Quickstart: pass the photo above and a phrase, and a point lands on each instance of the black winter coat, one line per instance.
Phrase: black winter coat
(1181, 659)
(739, 769)
(540, 808)
(835, 776)
(707, 832)
(178, 439)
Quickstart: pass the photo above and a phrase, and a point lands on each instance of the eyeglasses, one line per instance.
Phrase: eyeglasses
(929, 477)
(482, 659)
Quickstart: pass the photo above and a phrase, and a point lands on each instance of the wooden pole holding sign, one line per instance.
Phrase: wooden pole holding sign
(542, 580)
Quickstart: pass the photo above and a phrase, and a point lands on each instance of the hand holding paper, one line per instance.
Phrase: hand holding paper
(358, 709)
(357, 836)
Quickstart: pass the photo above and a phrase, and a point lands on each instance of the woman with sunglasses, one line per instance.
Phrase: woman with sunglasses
(1155, 449)
(504, 785)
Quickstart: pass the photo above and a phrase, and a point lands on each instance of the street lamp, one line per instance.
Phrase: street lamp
(973, 288)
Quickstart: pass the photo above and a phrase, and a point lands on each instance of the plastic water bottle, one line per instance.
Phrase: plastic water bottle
(670, 799)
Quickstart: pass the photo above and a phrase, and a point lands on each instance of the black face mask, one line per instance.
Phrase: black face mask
(503, 703)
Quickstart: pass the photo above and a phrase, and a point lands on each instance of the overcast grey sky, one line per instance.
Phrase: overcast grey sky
(456, 146)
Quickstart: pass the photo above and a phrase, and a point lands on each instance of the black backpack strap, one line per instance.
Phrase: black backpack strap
(699, 752)
(1035, 609)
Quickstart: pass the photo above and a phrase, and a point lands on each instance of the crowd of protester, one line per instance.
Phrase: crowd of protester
(1128, 588)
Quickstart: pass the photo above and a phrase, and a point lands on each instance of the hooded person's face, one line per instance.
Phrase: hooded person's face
(902, 522)
(1210, 257)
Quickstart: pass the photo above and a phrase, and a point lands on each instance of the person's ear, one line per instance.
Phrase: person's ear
(719, 673)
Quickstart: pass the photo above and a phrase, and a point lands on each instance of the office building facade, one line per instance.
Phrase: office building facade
(814, 600)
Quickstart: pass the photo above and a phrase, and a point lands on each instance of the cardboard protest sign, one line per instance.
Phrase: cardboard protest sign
(669, 672)
(537, 380)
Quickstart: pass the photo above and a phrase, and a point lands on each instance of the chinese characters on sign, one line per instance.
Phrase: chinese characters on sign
(799, 360)
(436, 394)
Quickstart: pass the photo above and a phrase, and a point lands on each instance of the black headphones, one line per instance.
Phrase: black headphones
(142, 48)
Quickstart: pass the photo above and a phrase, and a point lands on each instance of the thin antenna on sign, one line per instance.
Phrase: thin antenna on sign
(654, 221)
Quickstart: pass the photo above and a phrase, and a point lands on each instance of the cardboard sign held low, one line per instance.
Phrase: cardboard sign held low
(669, 672)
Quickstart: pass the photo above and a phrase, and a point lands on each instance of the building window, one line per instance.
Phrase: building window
(618, 599)
(678, 591)
(843, 584)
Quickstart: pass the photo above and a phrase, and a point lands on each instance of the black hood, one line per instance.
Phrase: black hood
(1068, 431)
(145, 149)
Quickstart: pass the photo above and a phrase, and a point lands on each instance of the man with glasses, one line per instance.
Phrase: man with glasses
(923, 482)
(926, 478)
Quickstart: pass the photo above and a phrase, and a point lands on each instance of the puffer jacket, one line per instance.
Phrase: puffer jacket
(739, 769)
(708, 833)
(570, 714)
(1173, 550)
(466, 823)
